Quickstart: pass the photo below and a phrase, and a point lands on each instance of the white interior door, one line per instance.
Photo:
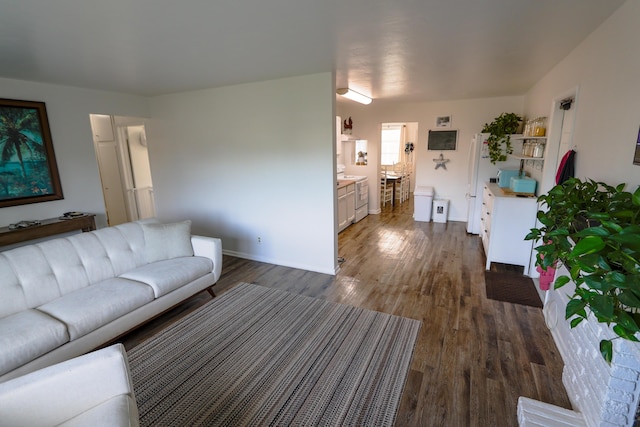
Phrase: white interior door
(139, 185)
(110, 174)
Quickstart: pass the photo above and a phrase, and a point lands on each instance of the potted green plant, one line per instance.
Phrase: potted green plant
(499, 141)
(593, 229)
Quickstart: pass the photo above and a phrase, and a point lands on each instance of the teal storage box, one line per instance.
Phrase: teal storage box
(523, 184)
(504, 176)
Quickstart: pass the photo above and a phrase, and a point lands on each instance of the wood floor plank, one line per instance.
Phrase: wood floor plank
(410, 398)
(473, 358)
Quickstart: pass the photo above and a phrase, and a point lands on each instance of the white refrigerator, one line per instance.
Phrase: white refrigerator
(480, 170)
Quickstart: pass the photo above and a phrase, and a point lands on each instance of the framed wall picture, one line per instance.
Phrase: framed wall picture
(28, 169)
(441, 140)
(443, 122)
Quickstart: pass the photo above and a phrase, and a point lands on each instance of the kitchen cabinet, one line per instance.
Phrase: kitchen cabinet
(346, 204)
(505, 221)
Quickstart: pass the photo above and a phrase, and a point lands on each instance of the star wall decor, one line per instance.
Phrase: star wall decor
(441, 162)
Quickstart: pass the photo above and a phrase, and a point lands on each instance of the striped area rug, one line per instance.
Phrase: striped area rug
(257, 356)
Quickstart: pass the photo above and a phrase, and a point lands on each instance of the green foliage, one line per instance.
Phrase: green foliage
(19, 130)
(500, 129)
(594, 230)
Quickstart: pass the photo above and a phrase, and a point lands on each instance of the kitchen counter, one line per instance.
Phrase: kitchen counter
(345, 182)
(506, 191)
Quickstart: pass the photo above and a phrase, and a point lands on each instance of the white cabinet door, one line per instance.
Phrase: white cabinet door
(342, 208)
(351, 203)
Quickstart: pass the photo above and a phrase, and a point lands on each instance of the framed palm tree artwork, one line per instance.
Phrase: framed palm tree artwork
(28, 169)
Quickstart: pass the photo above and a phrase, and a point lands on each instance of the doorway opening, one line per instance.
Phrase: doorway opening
(561, 131)
(123, 163)
(397, 166)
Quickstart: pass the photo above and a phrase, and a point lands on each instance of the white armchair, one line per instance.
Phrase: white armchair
(90, 390)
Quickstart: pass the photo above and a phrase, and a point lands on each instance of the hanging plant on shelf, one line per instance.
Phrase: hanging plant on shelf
(499, 141)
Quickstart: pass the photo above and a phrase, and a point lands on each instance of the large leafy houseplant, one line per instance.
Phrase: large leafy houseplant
(499, 141)
(593, 229)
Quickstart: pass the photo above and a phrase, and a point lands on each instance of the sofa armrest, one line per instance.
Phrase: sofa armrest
(210, 247)
(53, 395)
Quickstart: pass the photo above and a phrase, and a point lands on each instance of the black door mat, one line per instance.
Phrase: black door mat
(513, 288)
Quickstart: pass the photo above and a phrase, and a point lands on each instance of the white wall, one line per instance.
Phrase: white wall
(468, 117)
(605, 70)
(68, 110)
(249, 161)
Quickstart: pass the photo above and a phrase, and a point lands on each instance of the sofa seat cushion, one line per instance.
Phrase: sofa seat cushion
(166, 276)
(89, 308)
(27, 335)
(119, 411)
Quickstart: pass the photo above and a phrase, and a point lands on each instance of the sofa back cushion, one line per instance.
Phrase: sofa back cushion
(157, 236)
(35, 274)
(12, 298)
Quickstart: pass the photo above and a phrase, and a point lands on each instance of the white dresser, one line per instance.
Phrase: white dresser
(505, 221)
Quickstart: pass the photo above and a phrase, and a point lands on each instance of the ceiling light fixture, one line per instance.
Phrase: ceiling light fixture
(354, 96)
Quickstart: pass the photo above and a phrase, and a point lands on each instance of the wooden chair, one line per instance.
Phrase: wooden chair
(406, 181)
(386, 189)
(402, 184)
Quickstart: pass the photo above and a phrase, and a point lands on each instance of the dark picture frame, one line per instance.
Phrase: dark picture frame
(636, 154)
(440, 140)
(28, 169)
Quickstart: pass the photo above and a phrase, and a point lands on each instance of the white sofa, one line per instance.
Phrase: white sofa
(64, 297)
(90, 390)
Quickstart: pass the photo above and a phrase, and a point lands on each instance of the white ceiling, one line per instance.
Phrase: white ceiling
(404, 50)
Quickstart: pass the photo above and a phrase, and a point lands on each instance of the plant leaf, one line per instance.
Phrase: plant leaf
(602, 306)
(533, 235)
(575, 307)
(588, 245)
(606, 349)
(593, 231)
(612, 226)
(576, 321)
(560, 282)
(623, 333)
(595, 281)
(625, 321)
(629, 299)
(631, 241)
(635, 198)
(615, 277)
(588, 262)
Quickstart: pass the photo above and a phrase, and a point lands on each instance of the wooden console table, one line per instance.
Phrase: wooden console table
(48, 227)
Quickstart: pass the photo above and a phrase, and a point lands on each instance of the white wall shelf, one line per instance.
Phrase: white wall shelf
(522, 138)
(521, 157)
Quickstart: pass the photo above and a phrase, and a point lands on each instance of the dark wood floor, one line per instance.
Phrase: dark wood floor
(474, 357)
